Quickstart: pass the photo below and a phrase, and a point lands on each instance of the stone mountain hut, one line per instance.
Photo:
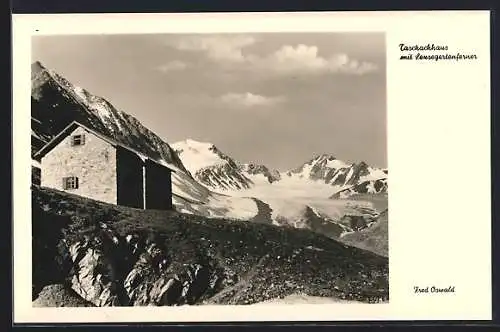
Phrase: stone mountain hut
(82, 161)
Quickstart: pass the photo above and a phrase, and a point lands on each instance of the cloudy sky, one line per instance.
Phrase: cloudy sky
(275, 99)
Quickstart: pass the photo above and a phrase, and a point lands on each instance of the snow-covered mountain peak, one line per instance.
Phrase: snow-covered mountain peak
(210, 166)
(327, 160)
(196, 145)
(198, 155)
(330, 170)
(218, 171)
(319, 163)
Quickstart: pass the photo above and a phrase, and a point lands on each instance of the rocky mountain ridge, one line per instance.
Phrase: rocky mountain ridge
(336, 172)
(95, 254)
(55, 103)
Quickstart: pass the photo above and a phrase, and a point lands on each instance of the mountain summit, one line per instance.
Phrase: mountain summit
(330, 170)
(218, 171)
(198, 155)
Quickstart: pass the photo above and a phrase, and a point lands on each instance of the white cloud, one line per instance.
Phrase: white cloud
(228, 48)
(173, 66)
(306, 59)
(301, 58)
(249, 99)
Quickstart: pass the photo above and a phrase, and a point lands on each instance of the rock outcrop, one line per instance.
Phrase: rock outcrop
(59, 295)
(107, 255)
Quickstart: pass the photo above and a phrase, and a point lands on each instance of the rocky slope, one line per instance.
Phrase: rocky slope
(375, 235)
(373, 238)
(260, 172)
(103, 255)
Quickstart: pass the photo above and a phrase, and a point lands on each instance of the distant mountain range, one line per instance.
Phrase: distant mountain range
(220, 172)
(315, 195)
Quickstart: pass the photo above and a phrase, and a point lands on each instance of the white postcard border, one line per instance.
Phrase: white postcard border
(438, 161)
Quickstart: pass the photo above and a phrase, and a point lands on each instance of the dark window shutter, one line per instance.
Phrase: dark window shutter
(77, 140)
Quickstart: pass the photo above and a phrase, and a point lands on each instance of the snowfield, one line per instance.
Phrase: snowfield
(191, 197)
(287, 187)
(291, 200)
(197, 155)
(289, 197)
(293, 197)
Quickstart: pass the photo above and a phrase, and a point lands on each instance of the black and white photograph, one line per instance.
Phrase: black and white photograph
(209, 169)
(192, 169)
(234, 167)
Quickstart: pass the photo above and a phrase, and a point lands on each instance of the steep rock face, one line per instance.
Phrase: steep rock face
(261, 170)
(116, 256)
(321, 167)
(95, 278)
(223, 177)
(365, 187)
(330, 170)
(55, 102)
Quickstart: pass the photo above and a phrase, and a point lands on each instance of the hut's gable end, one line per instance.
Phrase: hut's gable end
(87, 157)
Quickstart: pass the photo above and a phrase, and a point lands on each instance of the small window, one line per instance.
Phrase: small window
(77, 140)
(70, 182)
